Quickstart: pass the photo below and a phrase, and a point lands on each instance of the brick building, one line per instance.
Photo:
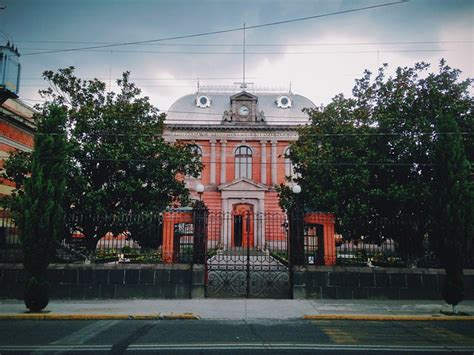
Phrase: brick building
(16, 118)
(16, 133)
(243, 139)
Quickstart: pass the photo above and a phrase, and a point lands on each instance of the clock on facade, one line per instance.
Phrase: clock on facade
(244, 111)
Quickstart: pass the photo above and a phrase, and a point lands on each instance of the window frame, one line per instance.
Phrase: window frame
(243, 162)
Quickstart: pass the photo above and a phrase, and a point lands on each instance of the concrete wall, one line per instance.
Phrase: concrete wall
(377, 283)
(104, 281)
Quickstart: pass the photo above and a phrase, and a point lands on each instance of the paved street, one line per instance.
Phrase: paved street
(212, 336)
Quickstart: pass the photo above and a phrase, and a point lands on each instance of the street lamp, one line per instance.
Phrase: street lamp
(296, 189)
(200, 190)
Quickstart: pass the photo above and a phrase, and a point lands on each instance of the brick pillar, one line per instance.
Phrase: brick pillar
(274, 162)
(263, 157)
(213, 162)
(223, 161)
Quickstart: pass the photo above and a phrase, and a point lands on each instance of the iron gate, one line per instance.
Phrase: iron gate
(247, 254)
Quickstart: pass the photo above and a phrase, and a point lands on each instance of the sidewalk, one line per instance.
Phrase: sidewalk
(240, 309)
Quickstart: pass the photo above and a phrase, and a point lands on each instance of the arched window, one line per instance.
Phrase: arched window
(197, 151)
(243, 162)
(289, 167)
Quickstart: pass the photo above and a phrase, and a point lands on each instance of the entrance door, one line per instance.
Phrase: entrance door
(242, 225)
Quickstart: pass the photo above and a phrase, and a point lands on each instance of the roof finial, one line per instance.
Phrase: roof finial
(198, 85)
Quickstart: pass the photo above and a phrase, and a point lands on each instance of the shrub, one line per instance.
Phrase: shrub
(36, 294)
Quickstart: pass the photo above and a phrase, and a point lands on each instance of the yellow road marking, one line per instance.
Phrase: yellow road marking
(338, 336)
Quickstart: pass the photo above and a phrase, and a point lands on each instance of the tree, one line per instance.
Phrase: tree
(39, 211)
(119, 165)
(452, 206)
(370, 158)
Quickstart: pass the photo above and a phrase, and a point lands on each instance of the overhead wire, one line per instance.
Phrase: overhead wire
(151, 79)
(229, 30)
(257, 44)
(273, 53)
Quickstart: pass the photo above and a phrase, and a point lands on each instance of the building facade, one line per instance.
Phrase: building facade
(16, 133)
(16, 118)
(243, 139)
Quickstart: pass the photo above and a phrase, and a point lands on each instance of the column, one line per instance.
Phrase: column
(261, 218)
(223, 160)
(226, 225)
(263, 168)
(274, 162)
(213, 161)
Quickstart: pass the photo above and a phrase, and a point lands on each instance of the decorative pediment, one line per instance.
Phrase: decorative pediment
(243, 96)
(242, 184)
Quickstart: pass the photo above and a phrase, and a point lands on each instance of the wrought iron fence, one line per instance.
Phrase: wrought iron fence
(387, 253)
(362, 253)
(247, 254)
(115, 239)
(233, 233)
(138, 238)
(314, 244)
(10, 249)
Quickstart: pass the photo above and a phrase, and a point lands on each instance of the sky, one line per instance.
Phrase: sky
(320, 57)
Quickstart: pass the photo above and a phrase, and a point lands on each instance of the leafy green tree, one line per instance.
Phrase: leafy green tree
(119, 164)
(370, 158)
(40, 207)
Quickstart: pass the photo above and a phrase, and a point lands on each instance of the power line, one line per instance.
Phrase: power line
(202, 34)
(257, 44)
(151, 79)
(262, 53)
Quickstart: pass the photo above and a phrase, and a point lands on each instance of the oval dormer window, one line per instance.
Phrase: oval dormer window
(284, 102)
(203, 101)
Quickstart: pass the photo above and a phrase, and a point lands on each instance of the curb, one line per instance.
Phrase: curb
(385, 317)
(53, 316)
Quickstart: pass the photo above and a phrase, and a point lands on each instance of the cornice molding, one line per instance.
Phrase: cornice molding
(16, 145)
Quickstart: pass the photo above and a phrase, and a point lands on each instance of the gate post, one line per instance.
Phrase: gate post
(297, 256)
(297, 235)
(200, 232)
(200, 213)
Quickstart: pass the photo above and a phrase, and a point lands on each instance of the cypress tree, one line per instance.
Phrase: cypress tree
(452, 196)
(41, 218)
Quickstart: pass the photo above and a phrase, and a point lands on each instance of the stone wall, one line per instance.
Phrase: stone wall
(377, 283)
(182, 281)
(104, 281)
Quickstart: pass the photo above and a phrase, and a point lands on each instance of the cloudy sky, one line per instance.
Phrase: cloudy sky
(320, 57)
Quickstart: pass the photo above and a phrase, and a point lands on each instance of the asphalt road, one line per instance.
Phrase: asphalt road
(239, 337)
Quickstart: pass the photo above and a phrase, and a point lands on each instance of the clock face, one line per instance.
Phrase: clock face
(243, 110)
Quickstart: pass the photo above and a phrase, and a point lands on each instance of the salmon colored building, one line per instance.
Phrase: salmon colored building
(243, 138)
(16, 118)
(16, 133)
